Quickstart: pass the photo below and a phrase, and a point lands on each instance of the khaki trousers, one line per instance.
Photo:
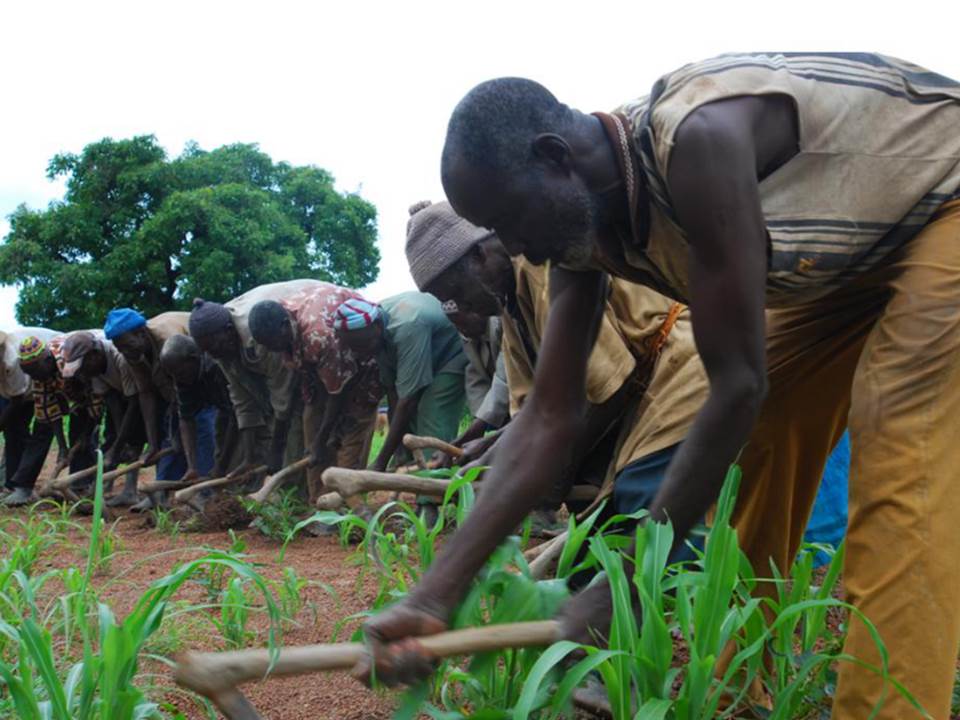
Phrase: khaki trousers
(882, 355)
(354, 430)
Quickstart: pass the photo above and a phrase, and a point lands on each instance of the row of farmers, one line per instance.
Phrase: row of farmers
(302, 367)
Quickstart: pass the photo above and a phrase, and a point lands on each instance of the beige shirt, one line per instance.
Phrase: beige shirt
(261, 384)
(879, 153)
(118, 375)
(485, 378)
(148, 373)
(13, 381)
(633, 314)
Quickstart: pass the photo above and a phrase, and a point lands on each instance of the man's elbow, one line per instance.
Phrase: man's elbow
(745, 393)
(564, 425)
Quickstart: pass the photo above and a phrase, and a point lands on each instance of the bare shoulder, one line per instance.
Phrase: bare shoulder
(761, 130)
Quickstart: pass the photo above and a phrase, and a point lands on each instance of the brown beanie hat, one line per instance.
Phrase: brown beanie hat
(436, 238)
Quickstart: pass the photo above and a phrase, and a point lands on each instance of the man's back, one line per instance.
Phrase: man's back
(879, 152)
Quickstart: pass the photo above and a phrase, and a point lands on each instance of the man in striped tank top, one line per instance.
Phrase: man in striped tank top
(806, 206)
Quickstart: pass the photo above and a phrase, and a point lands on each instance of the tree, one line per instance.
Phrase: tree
(137, 229)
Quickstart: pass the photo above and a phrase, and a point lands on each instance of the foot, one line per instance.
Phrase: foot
(20, 497)
(124, 499)
(145, 504)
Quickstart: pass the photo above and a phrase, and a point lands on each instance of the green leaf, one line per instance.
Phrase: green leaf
(654, 709)
(551, 657)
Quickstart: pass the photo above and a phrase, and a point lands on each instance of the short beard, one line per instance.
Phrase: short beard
(579, 230)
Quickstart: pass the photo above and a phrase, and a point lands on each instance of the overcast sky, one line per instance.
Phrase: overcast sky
(364, 89)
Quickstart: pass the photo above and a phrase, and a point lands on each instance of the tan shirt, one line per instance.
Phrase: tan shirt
(148, 373)
(14, 382)
(118, 375)
(879, 153)
(633, 314)
(261, 384)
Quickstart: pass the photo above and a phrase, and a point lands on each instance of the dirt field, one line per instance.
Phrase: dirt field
(146, 555)
(335, 591)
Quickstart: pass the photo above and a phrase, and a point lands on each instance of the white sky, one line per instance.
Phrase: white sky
(364, 89)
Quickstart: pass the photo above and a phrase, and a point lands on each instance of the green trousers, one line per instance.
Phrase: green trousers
(440, 409)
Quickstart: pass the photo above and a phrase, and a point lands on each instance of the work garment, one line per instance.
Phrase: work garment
(863, 234)
(262, 386)
(421, 351)
(352, 432)
(878, 151)
(327, 368)
(885, 350)
(633, 315)
(485, 376)
(26, 445)
(148, 372)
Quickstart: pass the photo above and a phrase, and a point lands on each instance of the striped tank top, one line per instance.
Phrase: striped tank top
(879, 153)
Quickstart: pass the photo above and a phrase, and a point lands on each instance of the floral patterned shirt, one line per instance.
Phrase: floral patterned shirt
(318, 352)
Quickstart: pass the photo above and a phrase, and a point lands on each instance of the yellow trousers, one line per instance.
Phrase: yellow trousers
(881, 355)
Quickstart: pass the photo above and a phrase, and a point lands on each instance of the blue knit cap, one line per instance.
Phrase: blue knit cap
(121, 321)
(355, 314)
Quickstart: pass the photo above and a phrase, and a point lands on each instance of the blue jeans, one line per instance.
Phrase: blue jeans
(172, 467)
(636, 486)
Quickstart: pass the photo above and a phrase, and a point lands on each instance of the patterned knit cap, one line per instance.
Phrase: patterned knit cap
(355, 314)
(436, 238)
(31, 349)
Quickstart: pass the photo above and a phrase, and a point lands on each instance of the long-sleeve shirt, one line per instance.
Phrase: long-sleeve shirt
(13, 381)
(209, 390)
(148, 372)
(485, 377)
(56, 397)
(117, 375)
(262, 385)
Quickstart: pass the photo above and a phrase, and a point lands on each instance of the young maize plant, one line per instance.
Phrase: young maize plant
(76, 660)
(686, 642)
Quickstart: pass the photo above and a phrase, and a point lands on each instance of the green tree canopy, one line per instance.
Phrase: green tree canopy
(137, 229)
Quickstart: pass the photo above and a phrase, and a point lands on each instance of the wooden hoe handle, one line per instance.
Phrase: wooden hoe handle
(182, 496)
(274, 481)
(67, 480)
(217, 675)
(348, 482)
(416, 442)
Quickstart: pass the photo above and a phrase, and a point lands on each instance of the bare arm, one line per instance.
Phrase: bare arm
(226, 441)
(401, 415)
(713, 180)
(332, 405)
(124, 423)
(536, 450)
(720, 151)
(62, 447)
(278, 444)
(148, 411)
(188, 438)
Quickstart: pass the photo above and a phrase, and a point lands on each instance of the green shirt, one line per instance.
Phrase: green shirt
(419, 343)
